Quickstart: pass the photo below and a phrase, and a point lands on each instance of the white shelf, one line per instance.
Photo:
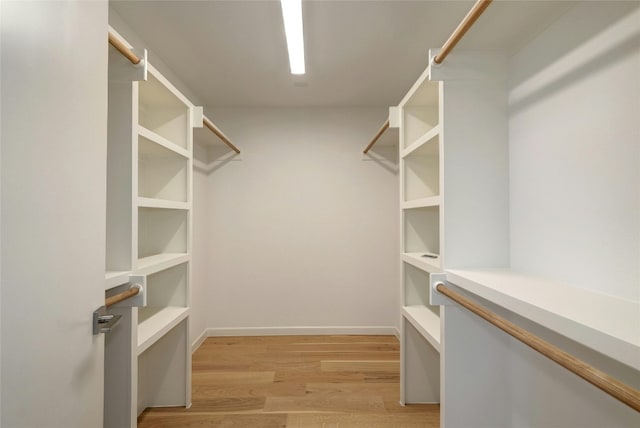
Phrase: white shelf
(433, 201)
(425, 321)
(162, 231)
(421, 147)
(153, 323)
(421, 230)
(417, 92)
(114, 278)
(163, 203)
(163, 109)
(158, 262)
(427, 264)
(607, 324)
(156, 138)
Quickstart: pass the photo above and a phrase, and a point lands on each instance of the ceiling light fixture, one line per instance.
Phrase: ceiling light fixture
(292, 16)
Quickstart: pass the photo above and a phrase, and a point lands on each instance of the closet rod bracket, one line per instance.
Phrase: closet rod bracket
(435, 297)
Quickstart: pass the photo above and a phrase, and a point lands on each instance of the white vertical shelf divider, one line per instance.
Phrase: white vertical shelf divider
(149, 213)
(474, 224)
(420, 148)
(453, 213)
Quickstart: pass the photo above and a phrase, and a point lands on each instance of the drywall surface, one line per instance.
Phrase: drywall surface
(575, 151)
(302, 228)
(54, 141)
(575, 196)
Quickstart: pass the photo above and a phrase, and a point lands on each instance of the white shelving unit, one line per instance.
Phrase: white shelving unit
(148, 235)
(525, 231)
(421, 213)
(451, 157)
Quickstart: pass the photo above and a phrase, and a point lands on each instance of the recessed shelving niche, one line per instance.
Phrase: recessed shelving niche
(420, 113)
(422, 231)
(162, 231)
(422, 170)
(166, 304)
(160, 111)
(162, 173)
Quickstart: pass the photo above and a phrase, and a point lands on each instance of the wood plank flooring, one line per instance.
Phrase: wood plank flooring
(296, 381)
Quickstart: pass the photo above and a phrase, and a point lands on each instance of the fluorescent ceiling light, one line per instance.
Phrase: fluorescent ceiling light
(292, 15)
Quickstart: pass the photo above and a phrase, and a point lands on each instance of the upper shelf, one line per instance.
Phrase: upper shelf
(420, 113)
(426, 144)
(424, 95)
(158, 262)
(163, 109)
(161, 141)
(607, 324)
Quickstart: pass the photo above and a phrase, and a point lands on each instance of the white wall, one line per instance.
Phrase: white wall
(0, 228)
(302, 227)
(575, 152)
(575, 195)
(54, 128)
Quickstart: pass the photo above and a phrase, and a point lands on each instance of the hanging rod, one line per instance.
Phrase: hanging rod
(375, 138)
(220, 134)
(459, 32)
(123, 49)
(620, 391)
(124, 295)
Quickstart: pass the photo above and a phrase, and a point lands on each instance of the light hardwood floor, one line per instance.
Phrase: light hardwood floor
(296, 381)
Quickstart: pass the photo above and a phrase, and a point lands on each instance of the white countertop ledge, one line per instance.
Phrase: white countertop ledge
(607, 324)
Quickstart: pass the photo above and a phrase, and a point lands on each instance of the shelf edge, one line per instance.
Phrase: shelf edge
(161, 141)
(157, 334)
(422, 264)
(426, 322)
(421, 141)
(431, 201)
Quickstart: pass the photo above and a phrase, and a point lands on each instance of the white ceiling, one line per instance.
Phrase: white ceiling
(358, 53)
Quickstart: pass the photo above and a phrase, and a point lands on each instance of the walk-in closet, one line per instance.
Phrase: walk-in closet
(309, 213)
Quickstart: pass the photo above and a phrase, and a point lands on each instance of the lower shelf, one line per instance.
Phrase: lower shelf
(426, 322)
(427, 264)
(155, 322)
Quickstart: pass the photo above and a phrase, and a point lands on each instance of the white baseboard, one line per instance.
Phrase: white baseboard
(199, 341)
(300, 331)
(396, 332)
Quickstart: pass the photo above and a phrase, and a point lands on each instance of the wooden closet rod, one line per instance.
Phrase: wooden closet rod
(124, 49)
(117, 298)
(620, 391)
(459, 32)
(375, 138)
(219, 133)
